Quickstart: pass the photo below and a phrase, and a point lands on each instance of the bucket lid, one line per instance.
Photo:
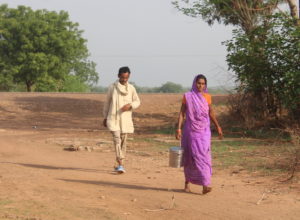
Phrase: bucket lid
(175, 148)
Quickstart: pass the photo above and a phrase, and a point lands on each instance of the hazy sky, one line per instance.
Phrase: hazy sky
(156, 41)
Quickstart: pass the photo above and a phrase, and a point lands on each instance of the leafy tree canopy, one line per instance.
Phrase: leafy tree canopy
(43, 49)
(267, 63)
(243, 13)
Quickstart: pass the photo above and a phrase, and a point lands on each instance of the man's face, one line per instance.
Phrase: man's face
(123, 78)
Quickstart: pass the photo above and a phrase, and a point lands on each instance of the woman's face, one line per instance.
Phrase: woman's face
(201, 85)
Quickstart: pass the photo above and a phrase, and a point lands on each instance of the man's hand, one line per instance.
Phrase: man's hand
(126, 108)
(105, 122)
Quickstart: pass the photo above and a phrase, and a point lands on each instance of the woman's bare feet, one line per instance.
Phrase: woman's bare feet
(206, 189)
(187, 187)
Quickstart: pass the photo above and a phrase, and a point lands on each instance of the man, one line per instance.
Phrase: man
(121, 99)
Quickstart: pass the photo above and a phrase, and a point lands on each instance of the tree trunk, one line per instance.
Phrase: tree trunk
(293, 8)
(28, 86)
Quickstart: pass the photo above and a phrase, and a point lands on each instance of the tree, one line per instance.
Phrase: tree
(269, 69)
(43, 48)
(170, 87)
(6, 81)
(293, 8)
(242, 13)
(257, 54)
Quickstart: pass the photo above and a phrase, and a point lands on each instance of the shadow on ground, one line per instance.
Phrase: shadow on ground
(122, 185)
(40, 166)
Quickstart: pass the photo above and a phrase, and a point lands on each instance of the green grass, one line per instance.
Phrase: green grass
(261, 133)
(264, 156)
(168, 130)
(236, 132)
(154, 144)
(4, 202)
(253, 155)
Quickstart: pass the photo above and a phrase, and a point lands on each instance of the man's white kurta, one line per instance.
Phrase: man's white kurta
(119, 95)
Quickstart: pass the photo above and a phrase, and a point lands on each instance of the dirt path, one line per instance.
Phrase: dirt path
(41, 180)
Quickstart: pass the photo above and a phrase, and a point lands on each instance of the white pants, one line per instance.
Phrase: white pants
(120, 144)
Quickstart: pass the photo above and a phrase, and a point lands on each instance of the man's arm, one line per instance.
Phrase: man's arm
(135, 102)
(135, 99)
(107, 104)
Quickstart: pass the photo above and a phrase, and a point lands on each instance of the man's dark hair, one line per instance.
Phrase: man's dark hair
(124, 69)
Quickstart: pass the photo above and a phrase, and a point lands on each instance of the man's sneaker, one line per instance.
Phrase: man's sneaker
(120, 169)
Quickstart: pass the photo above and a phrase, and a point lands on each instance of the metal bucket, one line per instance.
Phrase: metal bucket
(175, 157)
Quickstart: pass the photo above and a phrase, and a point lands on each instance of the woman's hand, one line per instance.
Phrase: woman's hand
(220, 132)
(180, 122)
(178, 134)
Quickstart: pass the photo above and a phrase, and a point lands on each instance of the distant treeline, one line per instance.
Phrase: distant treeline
(168, 87)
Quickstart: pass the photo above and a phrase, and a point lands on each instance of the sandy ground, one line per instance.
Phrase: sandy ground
(41, 180)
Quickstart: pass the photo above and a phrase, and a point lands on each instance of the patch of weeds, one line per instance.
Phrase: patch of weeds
(220, 104)
(4, 202)
(152, 144)
(227, 146)
(264, 133)
(169, 130)
(229, 159)
(229, 153)
(260, 133)
(252, 155)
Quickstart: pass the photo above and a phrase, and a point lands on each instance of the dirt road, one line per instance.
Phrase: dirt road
(41, 180)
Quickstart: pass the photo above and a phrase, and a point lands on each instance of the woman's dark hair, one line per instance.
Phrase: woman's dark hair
(124, 69)
(200, 76)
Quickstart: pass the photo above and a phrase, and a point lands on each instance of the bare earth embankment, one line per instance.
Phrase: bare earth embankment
(40, 179)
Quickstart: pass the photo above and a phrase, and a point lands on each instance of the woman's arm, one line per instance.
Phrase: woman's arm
(180, 121)
(215, 121)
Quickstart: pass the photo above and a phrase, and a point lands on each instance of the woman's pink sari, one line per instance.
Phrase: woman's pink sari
(196, 139)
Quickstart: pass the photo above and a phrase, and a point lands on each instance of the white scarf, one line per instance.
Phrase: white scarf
(122, 90)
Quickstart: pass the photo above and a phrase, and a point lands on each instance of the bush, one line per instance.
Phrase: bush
(266, 63)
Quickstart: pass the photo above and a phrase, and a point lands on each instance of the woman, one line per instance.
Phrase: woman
(195, 139)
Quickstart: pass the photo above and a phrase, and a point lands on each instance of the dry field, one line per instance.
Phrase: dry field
(41, 179)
